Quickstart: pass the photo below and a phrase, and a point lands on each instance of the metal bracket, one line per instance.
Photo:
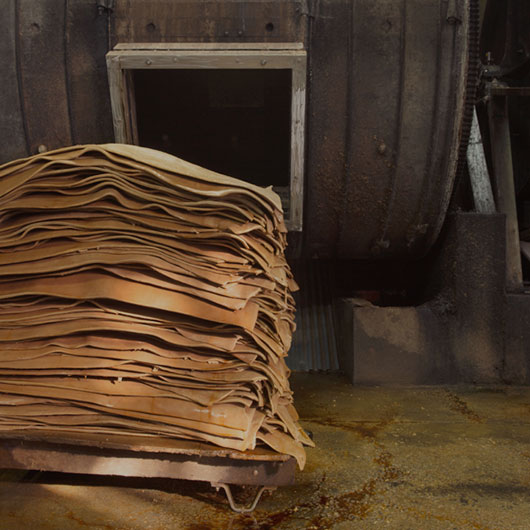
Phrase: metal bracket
(238, 508)
(453, 13)
(105, 6)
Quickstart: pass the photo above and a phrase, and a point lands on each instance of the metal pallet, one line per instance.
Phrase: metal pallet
(141, 456)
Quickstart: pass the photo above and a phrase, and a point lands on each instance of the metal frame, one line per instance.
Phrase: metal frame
(126, 57)
(140, 456)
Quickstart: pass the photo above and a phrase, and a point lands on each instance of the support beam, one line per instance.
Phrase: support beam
(501, 150)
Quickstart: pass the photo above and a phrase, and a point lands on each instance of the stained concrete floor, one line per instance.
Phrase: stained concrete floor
(405, 458)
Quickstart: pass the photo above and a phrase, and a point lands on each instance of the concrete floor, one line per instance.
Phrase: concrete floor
(406, 458)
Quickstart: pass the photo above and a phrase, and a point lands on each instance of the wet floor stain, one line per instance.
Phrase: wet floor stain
(457, 404)
(324, 509)
(357, 504)
(368, 430)
(458, 523)
(80, 522)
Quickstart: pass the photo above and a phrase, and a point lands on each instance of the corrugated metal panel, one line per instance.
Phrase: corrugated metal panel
(314, 344)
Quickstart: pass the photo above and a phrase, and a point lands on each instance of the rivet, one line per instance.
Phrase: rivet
(42, 148)
(148, 61)
(381, 149)
(263, 62)
(255, 472)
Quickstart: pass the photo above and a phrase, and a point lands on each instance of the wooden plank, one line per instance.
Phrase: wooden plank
(210, 21)
(130, 107)
(210, 46)
(43, 74)
(86, 42)
(505, 188)
(296, 202)
(117, 90)
(209, 59)
(12, 119)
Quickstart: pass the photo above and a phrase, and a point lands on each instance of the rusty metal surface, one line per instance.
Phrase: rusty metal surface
(386, 106)
(66, 458)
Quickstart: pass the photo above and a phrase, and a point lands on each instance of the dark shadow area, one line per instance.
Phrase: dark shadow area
(382, 283)
(139, 486)
(236, 122)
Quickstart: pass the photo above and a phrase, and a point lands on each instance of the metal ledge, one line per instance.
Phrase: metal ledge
(132, 456)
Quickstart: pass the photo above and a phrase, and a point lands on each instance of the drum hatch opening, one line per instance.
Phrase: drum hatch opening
(238, 111)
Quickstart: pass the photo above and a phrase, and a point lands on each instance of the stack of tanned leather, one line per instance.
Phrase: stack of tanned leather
(141, 294)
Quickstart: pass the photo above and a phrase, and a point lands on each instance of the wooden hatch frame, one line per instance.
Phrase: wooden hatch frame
(292, 56)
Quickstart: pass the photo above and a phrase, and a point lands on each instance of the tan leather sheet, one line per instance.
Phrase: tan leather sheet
(142, 294)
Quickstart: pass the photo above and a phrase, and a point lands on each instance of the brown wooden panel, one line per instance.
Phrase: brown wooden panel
(231, 21)
(86, 41)
(12, 136)
(42, 73)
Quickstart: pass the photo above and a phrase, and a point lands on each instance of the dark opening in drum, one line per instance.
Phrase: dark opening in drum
(236, 122)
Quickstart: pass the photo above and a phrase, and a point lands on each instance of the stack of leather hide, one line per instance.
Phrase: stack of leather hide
(144, 295)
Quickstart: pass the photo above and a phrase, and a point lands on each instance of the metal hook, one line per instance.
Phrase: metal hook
(237, 507)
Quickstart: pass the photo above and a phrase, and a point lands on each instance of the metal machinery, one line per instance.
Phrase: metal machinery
(368, 149)
(386, 93)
